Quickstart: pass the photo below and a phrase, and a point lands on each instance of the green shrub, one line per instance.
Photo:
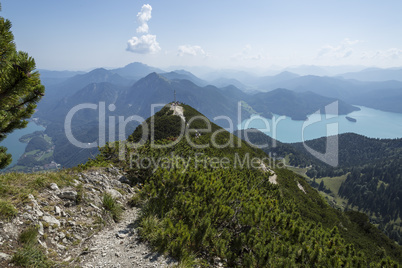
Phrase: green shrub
(150, 226)
(135, 201)
(110, 204)
(239, 217)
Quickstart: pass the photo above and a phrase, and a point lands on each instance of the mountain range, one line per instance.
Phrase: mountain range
(159, 88)
(135, 98)
(134, 88)
(351, 91)
(375, 74)
(361, 88)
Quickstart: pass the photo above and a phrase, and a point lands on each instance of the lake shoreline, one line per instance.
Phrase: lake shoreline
(369, 122)
(13, 144)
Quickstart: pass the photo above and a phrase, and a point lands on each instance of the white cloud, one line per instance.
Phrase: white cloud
(143, 17)
(190, 50)
(246, 54)
(347, 51)
(145, 44)
(389, 54)
(343, 50)
(346, 41)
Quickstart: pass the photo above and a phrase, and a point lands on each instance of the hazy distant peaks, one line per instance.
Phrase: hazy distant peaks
(375, 74)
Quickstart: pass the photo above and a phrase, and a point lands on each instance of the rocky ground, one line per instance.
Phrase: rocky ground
(75, 229)
(119, 246)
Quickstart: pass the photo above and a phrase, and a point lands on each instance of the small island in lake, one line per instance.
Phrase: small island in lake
(351, 119)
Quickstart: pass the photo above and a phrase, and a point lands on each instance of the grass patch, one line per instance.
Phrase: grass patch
(30, 254)
(28, 236)
(333, 183)
(45, 156)
(99, 221)
(47, 138)
(299, 171)
(80, 194)
(15, 187)
(33, 152)
(7, 210)
(111, 205)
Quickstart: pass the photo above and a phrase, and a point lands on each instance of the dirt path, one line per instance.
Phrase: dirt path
(178, 110)
(119, 246)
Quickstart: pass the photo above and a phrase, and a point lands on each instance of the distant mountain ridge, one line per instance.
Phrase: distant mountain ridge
(134, 97)
(296, 105)
(156, 88)
(135, 70)
(350, 91)
(322, 70)
(383, 95)
(67, 88)
(184, 75)
(56, 77)
(375, 74)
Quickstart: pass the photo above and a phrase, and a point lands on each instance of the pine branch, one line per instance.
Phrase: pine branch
(8, 90)
(23, 103)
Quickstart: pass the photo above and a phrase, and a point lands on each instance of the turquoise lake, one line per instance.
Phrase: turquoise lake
(14, 146)
(370, 122)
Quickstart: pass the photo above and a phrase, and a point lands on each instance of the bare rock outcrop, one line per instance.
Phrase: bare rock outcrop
(76, 230)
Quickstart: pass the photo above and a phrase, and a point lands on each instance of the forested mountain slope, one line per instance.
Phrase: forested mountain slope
(209, 205)
(372, 168)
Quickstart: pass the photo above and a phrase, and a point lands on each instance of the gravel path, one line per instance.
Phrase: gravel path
(178, 110)
(119, 246)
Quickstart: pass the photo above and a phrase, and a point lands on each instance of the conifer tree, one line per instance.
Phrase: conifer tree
(20, 87)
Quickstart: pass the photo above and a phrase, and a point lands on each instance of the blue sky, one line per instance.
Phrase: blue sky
(84, 34)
